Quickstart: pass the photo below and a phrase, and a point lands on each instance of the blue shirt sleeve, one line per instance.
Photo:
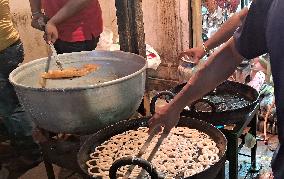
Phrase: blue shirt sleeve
(250, 38)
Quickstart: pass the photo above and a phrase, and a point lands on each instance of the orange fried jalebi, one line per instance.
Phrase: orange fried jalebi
(70, 72)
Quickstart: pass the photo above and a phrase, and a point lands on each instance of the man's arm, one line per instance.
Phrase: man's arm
(35, 6)
(224, 33)
(217, 69)
(38, 18)
(68, 10)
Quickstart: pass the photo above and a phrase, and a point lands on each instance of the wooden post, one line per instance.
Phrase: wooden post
(131, 34)
(130, 26)
(123, 25)
(190, 24)
(196, 22)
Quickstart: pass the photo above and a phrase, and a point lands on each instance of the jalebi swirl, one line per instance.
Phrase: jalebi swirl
(184, 150)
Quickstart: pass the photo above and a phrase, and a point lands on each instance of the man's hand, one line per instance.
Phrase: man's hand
(38, 21)
(195, 54)
(166, 117)
(51, 32)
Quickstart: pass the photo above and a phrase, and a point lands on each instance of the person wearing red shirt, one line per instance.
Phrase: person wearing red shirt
(72, 25)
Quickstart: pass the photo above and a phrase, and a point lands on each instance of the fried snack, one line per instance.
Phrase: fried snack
(184, 150)
(70, 72)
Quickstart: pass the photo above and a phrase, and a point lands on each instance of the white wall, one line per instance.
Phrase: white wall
(34, 44)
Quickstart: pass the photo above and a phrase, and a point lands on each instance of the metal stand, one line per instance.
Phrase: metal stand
(221, 174)
(233, 147)
(254, 167)
(253, 150)
(48, 168)
(60, 151)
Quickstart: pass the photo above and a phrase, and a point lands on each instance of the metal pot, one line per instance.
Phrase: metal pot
(186, 69)
(86, 104)
(105, 134)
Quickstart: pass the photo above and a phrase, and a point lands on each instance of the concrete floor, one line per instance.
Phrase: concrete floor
(264, 156)
(39, 172)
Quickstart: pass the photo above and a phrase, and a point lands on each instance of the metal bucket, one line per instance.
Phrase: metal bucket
(86, 104)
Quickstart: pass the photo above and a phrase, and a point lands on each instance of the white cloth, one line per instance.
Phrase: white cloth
(257, 81)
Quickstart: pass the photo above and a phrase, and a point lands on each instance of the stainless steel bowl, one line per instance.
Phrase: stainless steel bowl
(86, 104)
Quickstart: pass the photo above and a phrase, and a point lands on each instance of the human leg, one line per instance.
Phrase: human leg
(15, 119)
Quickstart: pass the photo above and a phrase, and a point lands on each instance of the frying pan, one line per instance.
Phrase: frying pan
(98, 138)
(214, 116)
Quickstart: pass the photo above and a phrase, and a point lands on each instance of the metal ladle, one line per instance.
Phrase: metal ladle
(54, 53)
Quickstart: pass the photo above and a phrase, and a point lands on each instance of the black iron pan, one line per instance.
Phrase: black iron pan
(98, 138)
(215, 117)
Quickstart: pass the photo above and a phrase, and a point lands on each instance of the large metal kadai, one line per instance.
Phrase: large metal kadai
(105, 134)
(85, 104)
(229, 103)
